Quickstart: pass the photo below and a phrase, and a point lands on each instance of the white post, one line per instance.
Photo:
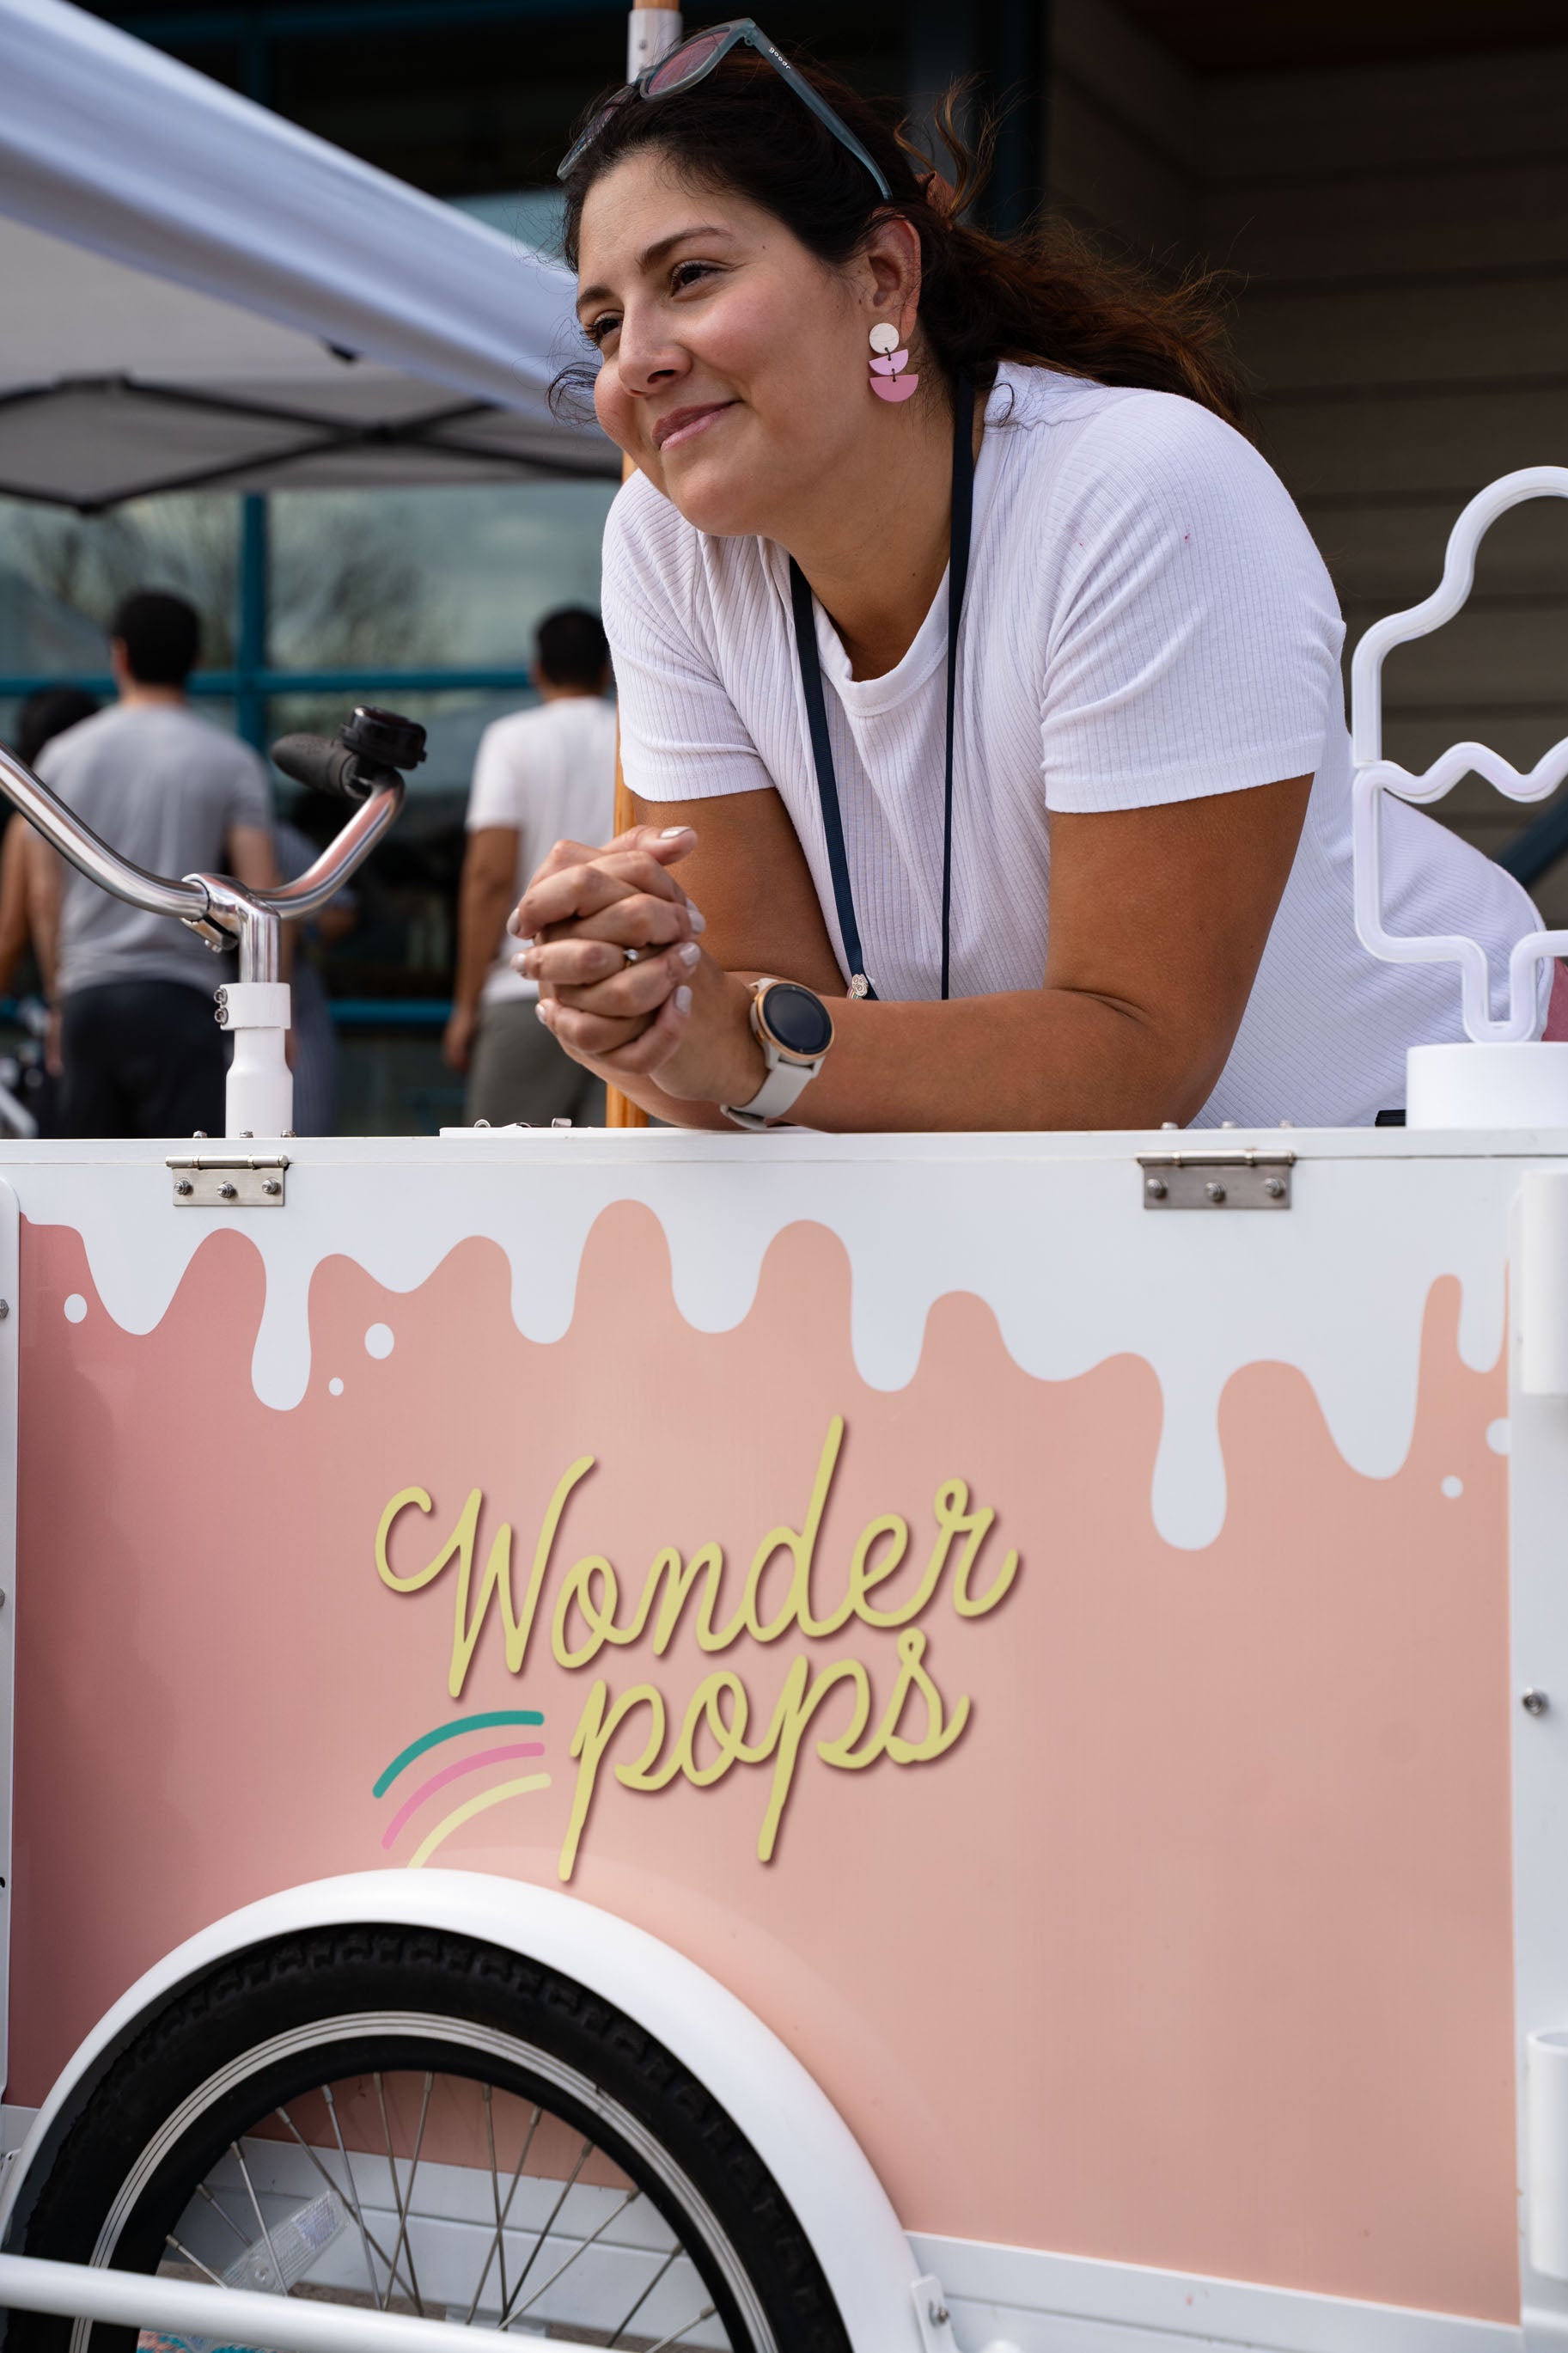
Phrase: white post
(649, 33)
(260, 1096)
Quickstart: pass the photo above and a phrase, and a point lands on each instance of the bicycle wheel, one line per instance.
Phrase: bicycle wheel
(405, 2120)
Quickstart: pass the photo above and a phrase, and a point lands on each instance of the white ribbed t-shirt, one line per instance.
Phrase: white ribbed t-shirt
(1146, 620)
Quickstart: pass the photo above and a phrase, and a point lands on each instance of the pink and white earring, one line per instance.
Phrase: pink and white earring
(890, 379)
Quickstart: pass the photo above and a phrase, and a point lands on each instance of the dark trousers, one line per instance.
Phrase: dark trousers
(141, 1058)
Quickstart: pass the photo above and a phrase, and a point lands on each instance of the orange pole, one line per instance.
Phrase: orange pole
(619, 1109)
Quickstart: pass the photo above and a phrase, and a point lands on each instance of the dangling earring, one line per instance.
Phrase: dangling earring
(890, 379)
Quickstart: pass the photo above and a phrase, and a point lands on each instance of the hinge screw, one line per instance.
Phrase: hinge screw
(5, 1309)
(1534, 1703)
(184, 1188)
(1155, 1188)
(1214, 1191)
(1275, 1187)
(272, 1188)
(940, 2314)
(229, 1192)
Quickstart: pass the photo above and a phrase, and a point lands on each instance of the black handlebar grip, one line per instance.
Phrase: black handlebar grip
(324, 765)
(369, 750)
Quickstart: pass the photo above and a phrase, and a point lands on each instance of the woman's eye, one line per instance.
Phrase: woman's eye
(597, 330)
(687, 273)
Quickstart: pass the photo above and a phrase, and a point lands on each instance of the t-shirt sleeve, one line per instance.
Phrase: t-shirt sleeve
(494, 793)
(1194, 646)
(681, 736)
(250, 793)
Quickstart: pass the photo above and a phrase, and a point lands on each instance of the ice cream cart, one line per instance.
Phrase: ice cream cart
(793, 1743)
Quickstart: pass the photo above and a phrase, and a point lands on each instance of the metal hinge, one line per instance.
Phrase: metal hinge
(1216, 1180)
(228, 1180)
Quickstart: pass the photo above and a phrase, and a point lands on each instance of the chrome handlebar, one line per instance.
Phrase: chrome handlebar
(220, 909)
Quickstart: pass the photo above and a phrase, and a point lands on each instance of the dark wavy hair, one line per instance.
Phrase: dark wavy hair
(1046, 297)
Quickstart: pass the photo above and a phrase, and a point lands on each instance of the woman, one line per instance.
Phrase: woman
(1137, 905)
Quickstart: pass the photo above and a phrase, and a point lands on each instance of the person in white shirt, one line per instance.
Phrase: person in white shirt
(541, 776)
(1133, 902)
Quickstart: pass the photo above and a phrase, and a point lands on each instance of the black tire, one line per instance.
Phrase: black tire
(382, 1981)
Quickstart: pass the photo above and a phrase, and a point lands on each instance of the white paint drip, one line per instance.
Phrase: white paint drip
(1049, 1232)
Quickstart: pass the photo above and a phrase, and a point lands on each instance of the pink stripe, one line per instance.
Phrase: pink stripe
(455, 1772)
(1557, 1007)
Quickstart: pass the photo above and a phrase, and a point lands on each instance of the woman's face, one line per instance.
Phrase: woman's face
(733, 363)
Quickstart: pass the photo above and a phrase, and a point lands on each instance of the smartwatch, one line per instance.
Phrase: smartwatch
(794, 1031)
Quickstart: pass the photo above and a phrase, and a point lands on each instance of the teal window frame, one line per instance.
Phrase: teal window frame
(253, 683)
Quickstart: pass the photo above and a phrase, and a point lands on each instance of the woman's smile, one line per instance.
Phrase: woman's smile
(686, 424)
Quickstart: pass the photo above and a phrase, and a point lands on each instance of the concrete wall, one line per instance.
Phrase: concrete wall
(1401, 231)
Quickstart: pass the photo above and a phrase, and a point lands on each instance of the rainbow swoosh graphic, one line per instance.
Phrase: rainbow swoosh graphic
(518, 1786)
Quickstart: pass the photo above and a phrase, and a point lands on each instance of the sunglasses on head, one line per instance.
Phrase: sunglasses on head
(691, 59)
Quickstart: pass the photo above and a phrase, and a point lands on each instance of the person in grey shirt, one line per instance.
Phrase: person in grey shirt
(140, 1052)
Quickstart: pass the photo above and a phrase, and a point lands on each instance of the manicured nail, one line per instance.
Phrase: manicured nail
(674, 832)
(511, 924)
(540, 1012)
(696, 918)
(683, 1000)
(687, 954)
(519, 962)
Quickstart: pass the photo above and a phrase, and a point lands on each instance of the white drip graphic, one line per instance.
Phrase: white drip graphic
(1048, 1232)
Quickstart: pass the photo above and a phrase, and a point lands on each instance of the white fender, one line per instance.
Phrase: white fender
(784, 2113)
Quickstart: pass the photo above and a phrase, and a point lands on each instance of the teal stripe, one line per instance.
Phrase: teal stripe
(450, 1732)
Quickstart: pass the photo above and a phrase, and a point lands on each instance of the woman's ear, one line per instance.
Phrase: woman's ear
(891, 267)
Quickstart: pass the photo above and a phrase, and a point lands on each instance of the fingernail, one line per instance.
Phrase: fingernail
(540, 1012)
(519, 962)
(674, 832)
(687, 954)
(511, 924)
(683, 1000)
(696, 918)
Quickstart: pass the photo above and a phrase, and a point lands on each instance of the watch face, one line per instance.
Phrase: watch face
(796, 1020)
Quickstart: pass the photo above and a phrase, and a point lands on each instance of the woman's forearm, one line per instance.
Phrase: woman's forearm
(1032, 1058)
(1035, 1058)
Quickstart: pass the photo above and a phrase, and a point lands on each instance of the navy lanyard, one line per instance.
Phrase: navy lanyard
(817, 707)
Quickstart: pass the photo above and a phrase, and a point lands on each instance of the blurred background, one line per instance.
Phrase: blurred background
(1386, 185)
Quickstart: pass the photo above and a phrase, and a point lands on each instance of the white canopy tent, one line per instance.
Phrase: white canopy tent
(197, 294)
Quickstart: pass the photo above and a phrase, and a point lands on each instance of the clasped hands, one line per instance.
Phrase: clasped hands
(625, 983)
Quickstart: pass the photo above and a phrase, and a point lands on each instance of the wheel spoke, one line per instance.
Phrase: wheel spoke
(402, 2243)
(367, 2237)
(581, 2249)
(237, 2154)
(498, 2244)
(181, 2249)
(221, 2211)
(583, 2154)
(643, 2298)
(706, 2314)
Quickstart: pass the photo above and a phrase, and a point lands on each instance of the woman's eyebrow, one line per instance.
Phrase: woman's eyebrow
(650, 256)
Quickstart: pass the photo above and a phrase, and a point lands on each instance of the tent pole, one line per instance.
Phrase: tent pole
(649, 33)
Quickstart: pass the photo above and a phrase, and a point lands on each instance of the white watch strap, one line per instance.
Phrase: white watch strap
(777, 1092)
